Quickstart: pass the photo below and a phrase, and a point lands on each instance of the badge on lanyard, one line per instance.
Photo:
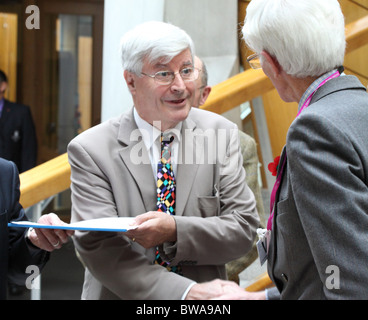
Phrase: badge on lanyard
(263, 243)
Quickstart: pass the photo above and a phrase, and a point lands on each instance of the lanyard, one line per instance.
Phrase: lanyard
(280, 171)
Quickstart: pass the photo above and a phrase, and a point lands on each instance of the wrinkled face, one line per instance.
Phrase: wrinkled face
(168, 104)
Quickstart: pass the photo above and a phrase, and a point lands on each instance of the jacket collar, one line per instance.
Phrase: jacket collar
(344, 82)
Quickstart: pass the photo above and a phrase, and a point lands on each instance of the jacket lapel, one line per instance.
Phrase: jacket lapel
(273, 243)
(135, 157)
(190, 144)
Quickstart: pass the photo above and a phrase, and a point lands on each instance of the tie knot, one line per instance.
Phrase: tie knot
(166, 140)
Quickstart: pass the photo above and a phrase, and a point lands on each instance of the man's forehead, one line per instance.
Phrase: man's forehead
(164, 62)
(160, 65)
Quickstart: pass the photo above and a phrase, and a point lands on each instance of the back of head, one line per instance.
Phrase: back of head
(155, 41)
(307, 37)
(3, 77)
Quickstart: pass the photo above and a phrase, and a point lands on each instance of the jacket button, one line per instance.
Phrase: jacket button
(284, 277)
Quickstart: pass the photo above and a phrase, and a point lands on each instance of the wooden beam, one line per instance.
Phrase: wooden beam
(44, 181)
(240, 88)
(356, 34)
(261, 283)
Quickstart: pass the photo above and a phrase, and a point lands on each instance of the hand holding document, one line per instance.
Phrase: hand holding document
(118, 224)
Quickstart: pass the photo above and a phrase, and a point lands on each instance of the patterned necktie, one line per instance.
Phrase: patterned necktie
(165, 179)
(166, 191)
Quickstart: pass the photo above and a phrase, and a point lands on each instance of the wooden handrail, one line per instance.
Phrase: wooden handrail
(356, 34)
(236, 90)
(44, 181)
(53, 177)
(260, 283)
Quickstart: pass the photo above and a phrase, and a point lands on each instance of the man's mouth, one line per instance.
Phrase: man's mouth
(178, 101)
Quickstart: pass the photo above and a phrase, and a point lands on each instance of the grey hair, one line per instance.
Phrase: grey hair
(307, 37)
(155, 41)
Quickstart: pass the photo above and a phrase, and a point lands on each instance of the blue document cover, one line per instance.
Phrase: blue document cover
(118, 224)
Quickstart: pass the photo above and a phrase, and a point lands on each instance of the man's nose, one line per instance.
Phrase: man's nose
(178, 84)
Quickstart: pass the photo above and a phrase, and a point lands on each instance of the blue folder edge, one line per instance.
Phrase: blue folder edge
(30, 225)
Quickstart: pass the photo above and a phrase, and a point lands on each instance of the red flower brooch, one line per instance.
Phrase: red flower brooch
(272, 166)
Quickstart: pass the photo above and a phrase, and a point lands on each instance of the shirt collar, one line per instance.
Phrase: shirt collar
(150, 133)
(313, 87)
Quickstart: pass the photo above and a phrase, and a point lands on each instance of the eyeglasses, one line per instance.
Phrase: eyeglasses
(254, 61)
(167, 77)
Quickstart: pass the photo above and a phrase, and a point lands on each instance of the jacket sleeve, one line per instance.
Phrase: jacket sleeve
(21, 252)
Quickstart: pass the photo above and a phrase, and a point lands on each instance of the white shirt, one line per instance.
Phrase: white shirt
(151, 138)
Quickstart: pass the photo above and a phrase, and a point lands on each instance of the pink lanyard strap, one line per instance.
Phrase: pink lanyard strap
(282, 167)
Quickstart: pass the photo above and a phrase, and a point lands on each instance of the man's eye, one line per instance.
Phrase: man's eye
(186, 71)
(163, 74)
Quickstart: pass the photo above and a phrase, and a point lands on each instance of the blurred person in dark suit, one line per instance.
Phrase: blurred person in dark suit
(18, 142)
(22, 247)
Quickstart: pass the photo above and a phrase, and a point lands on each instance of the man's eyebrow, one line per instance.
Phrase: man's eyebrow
(160, 66)
(165, 66)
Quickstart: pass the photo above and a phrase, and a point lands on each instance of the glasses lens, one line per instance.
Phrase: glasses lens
(189, 74)
(164, 77)
(254, 61)
(167, 77)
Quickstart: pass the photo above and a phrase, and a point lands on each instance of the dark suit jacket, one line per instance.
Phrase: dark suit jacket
(18, 142)
(16, 252)
(319, 245)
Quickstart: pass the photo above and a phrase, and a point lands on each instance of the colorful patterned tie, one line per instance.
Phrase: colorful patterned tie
(165, 179)
(166, 191)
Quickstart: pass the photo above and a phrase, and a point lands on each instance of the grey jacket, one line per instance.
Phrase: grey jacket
(319, 242)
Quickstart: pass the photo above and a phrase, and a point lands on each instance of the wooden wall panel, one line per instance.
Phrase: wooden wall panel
(8, 51)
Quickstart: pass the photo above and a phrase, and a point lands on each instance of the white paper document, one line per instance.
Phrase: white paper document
(119, 224)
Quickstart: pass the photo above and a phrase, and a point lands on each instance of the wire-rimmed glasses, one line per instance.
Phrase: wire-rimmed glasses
(167, 77)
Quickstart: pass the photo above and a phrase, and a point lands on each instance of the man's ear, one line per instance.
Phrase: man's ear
(205, 93)
(272, 63)
(129, 78)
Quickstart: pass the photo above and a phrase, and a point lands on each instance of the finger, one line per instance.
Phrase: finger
(145, 216)
(39, 240)
(53, 220)
(47, 237)
(61, 234)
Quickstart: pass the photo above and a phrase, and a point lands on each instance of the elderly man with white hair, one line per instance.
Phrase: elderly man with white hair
(173, 168)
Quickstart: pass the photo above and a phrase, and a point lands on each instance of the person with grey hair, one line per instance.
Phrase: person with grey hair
(316, 242)
(155, 163)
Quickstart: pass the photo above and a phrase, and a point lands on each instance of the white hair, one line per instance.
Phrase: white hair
(155, 41)
(307, 37)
